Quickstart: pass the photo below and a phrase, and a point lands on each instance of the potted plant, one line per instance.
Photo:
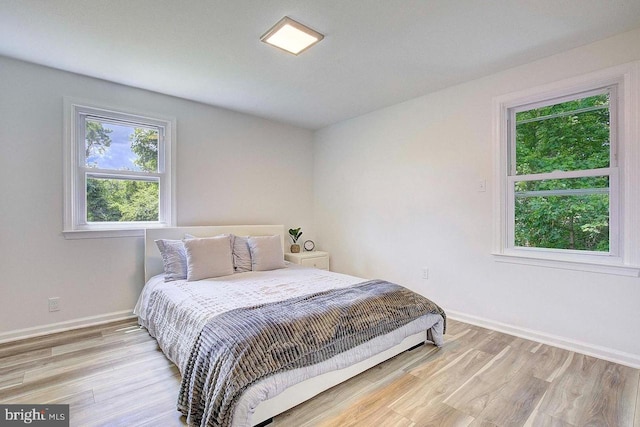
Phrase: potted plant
(295, 234)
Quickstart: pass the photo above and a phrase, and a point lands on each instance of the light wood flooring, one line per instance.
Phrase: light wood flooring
(115, 375)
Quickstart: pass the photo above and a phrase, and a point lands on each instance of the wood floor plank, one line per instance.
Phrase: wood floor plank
(441, 414)
(494, 344)
(137, 414)
(514, 404)
(439, 360)
(58, 362)
(38, 343)
(569, 395)
(27, 356)
(165, 418)
(137, 337)
(549, 362)
(540, 419)
(380, 416)
(121, 408)
(331, 402)
(88, 359)
(410, 359)
(473, 396)
(368, 406)
(169, 377)
(12, 379)
(76, 402)
(612, 401)
(417, 403)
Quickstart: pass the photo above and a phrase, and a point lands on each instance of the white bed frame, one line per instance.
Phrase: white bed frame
(300, 392)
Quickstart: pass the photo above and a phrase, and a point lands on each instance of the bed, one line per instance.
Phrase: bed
(176, 312)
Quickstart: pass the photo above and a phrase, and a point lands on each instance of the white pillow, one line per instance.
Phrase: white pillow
(266, 253)
(208, 257)
(239, 250)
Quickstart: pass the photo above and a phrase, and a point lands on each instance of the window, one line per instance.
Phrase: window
(118, 172)
(561, 175)
(562, 181)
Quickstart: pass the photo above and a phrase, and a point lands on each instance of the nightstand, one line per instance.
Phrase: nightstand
(316, 259)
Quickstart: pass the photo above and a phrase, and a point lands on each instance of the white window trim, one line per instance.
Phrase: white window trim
(72, 227)
(627, 261)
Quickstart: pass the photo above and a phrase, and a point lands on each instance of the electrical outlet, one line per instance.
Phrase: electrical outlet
(482, 185)
(425, 273)
(54, 304)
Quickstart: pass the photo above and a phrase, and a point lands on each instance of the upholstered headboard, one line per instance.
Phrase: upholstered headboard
(153, 260)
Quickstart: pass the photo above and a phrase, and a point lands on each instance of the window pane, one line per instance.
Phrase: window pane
(569, 136)
(120, 146)
(568, 213)
(117, 200)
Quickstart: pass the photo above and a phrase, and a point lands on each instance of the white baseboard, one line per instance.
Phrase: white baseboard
(623, 358)
(37, 331)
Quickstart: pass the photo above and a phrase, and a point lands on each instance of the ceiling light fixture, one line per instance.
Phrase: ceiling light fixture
(291, 36)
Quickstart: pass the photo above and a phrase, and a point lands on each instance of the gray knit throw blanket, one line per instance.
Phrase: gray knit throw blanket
(242, 346)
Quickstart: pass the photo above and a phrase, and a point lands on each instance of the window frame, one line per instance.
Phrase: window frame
(622, 258)
(76, 172)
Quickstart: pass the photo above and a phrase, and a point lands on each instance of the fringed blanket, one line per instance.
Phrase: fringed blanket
(239, 347)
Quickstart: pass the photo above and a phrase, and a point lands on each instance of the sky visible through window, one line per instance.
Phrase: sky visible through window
(118, 155)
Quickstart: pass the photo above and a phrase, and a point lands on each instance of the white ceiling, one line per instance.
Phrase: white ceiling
(375, 52)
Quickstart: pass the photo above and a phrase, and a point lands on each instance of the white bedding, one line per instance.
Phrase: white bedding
(175, 312)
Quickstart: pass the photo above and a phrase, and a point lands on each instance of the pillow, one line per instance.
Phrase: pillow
(208, 257)
(188, 236)
(174, 259)
(241, 254)
(266, 253)
(239, 249)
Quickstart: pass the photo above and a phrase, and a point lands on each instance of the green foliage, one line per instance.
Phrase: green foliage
(117, 200)
(295, 234)
(100, 206)
(569, 140)
(97, 138)
(144, 143)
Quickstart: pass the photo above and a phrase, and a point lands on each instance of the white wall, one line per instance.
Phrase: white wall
(396, 190)
(231, 169)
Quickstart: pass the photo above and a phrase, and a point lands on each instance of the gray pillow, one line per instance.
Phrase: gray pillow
(266, 253)
(174, 259)
(208, 257)
(241, 254)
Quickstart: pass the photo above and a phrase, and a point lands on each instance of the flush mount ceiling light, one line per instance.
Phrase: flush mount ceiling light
(291, 36)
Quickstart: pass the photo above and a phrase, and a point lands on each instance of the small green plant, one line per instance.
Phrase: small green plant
(295, 234)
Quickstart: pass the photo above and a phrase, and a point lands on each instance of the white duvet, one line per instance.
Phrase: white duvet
(175, 313)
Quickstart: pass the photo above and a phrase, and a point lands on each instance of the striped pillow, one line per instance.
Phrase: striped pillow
(174, 259)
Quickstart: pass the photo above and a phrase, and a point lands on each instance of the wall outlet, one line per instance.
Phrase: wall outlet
(482, 185)
(54, 304)
(425, 273)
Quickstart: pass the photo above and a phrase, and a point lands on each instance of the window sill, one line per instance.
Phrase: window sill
(615, 269)
(102, 234)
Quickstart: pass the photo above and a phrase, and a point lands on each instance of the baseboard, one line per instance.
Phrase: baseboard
(623, 358)
(68, 325)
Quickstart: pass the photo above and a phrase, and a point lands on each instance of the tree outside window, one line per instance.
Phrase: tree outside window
(562, 177)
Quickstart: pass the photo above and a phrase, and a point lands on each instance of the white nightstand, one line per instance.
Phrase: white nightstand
(316, 259)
